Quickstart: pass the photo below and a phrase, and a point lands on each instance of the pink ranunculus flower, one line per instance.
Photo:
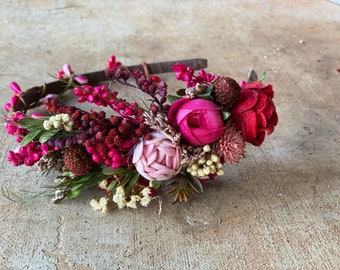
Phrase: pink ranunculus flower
(199, 120)
(158, 158)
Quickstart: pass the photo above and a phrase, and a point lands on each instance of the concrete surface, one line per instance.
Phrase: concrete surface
(277, 209)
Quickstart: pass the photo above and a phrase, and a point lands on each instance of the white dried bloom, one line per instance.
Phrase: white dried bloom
(207, 148)
(59, 121)
(146, 191)
(47, 125)
(215, 158)
(144, 201)
(65, 117)
(220, 172)
(133, 201)
(95, 205)
(119, 197)
(56, 124)
(102, 204)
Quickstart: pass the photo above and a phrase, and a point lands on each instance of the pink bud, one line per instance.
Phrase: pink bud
(81, 79)
(96, 158)
(105, 94)
(37, 115)
(78, 91)
(81, 99)
(128, 111)
(90, 149)
(97, 90)
(8, 107)
(14, 100)
(120, 105)
(67, 69)
(91, 98)
(60, 74)
(15, 87)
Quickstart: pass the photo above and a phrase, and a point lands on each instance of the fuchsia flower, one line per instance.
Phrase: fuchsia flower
(66, 72)
(186, 74)
(112, 63)
(199, 120)
(12, 126)
(158, 158)
(28, 154)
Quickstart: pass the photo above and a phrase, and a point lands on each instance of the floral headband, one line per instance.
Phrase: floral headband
(176, 143)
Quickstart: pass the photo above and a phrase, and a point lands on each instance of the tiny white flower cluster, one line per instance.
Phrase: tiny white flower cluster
(206, 165)
(100, 205)
(59, 121)
(120, 199)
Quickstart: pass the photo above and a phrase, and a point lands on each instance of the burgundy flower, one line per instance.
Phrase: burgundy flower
(254, 113)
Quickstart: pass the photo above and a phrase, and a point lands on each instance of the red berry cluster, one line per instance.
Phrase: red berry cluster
(109, 140)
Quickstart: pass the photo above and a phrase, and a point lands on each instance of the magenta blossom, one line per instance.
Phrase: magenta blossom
(12, 126)
(186, 74)
(158, 158)
(28, 154)
(199, 120)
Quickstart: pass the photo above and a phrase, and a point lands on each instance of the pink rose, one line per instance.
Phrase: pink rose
(158, 158)
(255, 113)
(199, 120)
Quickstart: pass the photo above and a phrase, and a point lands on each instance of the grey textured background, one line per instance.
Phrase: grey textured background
(277, 209)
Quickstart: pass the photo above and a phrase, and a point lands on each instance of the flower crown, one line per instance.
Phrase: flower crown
(176, 144)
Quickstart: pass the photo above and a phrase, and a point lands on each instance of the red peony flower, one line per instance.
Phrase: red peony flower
(199, 120)
(254, 113)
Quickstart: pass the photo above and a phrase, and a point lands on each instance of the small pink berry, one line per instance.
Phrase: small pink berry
(155, 78)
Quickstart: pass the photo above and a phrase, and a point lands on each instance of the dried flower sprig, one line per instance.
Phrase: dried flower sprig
(134, 152)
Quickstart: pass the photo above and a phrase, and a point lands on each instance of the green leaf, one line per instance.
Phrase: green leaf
(30, 137)
(173, 98)
(75, 191)
(210, 88)
(205, 96)
(207, 93)
(47, 135)
(196, 183)
(262, 76)
(31, 123)
(156, 184)
(112, 186)
(132, 182)
(225, 115)
(181, 92)
(112, 171)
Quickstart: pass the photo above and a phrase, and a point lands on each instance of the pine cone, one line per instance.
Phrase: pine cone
(77, 160)
(230, 147)
(226, 91)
